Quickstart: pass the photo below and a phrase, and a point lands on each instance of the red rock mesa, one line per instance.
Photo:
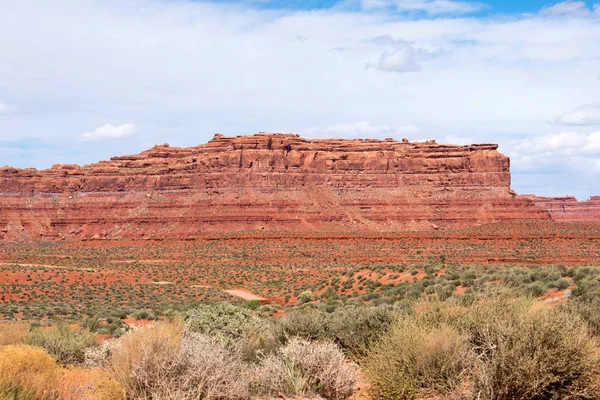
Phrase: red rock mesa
(271, 182)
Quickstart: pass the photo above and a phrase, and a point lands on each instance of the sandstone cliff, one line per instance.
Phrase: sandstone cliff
(568, 209)
(265, 181)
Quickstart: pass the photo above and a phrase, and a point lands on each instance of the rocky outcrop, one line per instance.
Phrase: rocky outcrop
(568, 209)
(264, 181)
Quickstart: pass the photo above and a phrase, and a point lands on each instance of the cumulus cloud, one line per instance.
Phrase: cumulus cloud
(570, 8)
(109, 131)
(565, 144)
(399, 56)
(362, 129)
(430, 7)
(551, 160)
(397, 60)
(588, 114)
(566, 163)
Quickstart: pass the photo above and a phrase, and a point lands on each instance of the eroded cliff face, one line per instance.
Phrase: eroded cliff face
(264, 181)
(568, 209)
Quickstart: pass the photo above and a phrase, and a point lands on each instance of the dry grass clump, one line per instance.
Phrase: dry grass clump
(304, 368)
(159, 362)
(414, 360)
(31, 373)
(141, 355)
(87, 384)
(29, 367)
(13, 332)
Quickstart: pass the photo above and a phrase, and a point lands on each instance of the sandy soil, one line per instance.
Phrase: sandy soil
(244, 294)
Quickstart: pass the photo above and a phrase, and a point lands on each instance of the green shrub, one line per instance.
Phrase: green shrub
(309, 324)
(526, 350)
(224, 321)
(140, 314)
(588, 311)
(91, 324)
(67, 345)
(535, 290)
(305, 297)
(499, 348)
(562, 284)
(356, 328)
(253, 304)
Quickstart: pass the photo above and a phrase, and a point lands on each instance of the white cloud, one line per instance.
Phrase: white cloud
(362, 129)
(565, 144)
(399, 55)
(566, 163)
(201, 67)
(109, 131)
(430, 7)
(6, 109)
(453, 139)
(588, 114)
(397, 60)
(569, 8)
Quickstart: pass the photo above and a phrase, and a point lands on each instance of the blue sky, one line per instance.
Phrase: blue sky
(488, 7)
(83, 80)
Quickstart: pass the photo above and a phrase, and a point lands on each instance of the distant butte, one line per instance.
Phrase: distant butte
(276, 182)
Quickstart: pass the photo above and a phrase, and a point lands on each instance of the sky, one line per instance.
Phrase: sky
(84, 80)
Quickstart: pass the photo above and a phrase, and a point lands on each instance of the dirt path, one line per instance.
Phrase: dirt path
(5, 264)
(244, 294)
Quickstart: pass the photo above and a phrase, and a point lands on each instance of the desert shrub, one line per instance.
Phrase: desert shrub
(503, 347)
(211, 370)
(355, 328)
(309, 324)
(416, 360)
(534, 290)
(92, 324)
(31, 373)
(562, 284)
(528, 351)
(118, 332)
(588, 311)
(13, 333)
(67, 345)
(97, 357)
(140, 314)
(224, 321)
(305, 297)
(158, 362)
(255, 344)
(302, 368)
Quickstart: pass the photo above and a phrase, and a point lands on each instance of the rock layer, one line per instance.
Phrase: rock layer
(265, 181)
(568, 209)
